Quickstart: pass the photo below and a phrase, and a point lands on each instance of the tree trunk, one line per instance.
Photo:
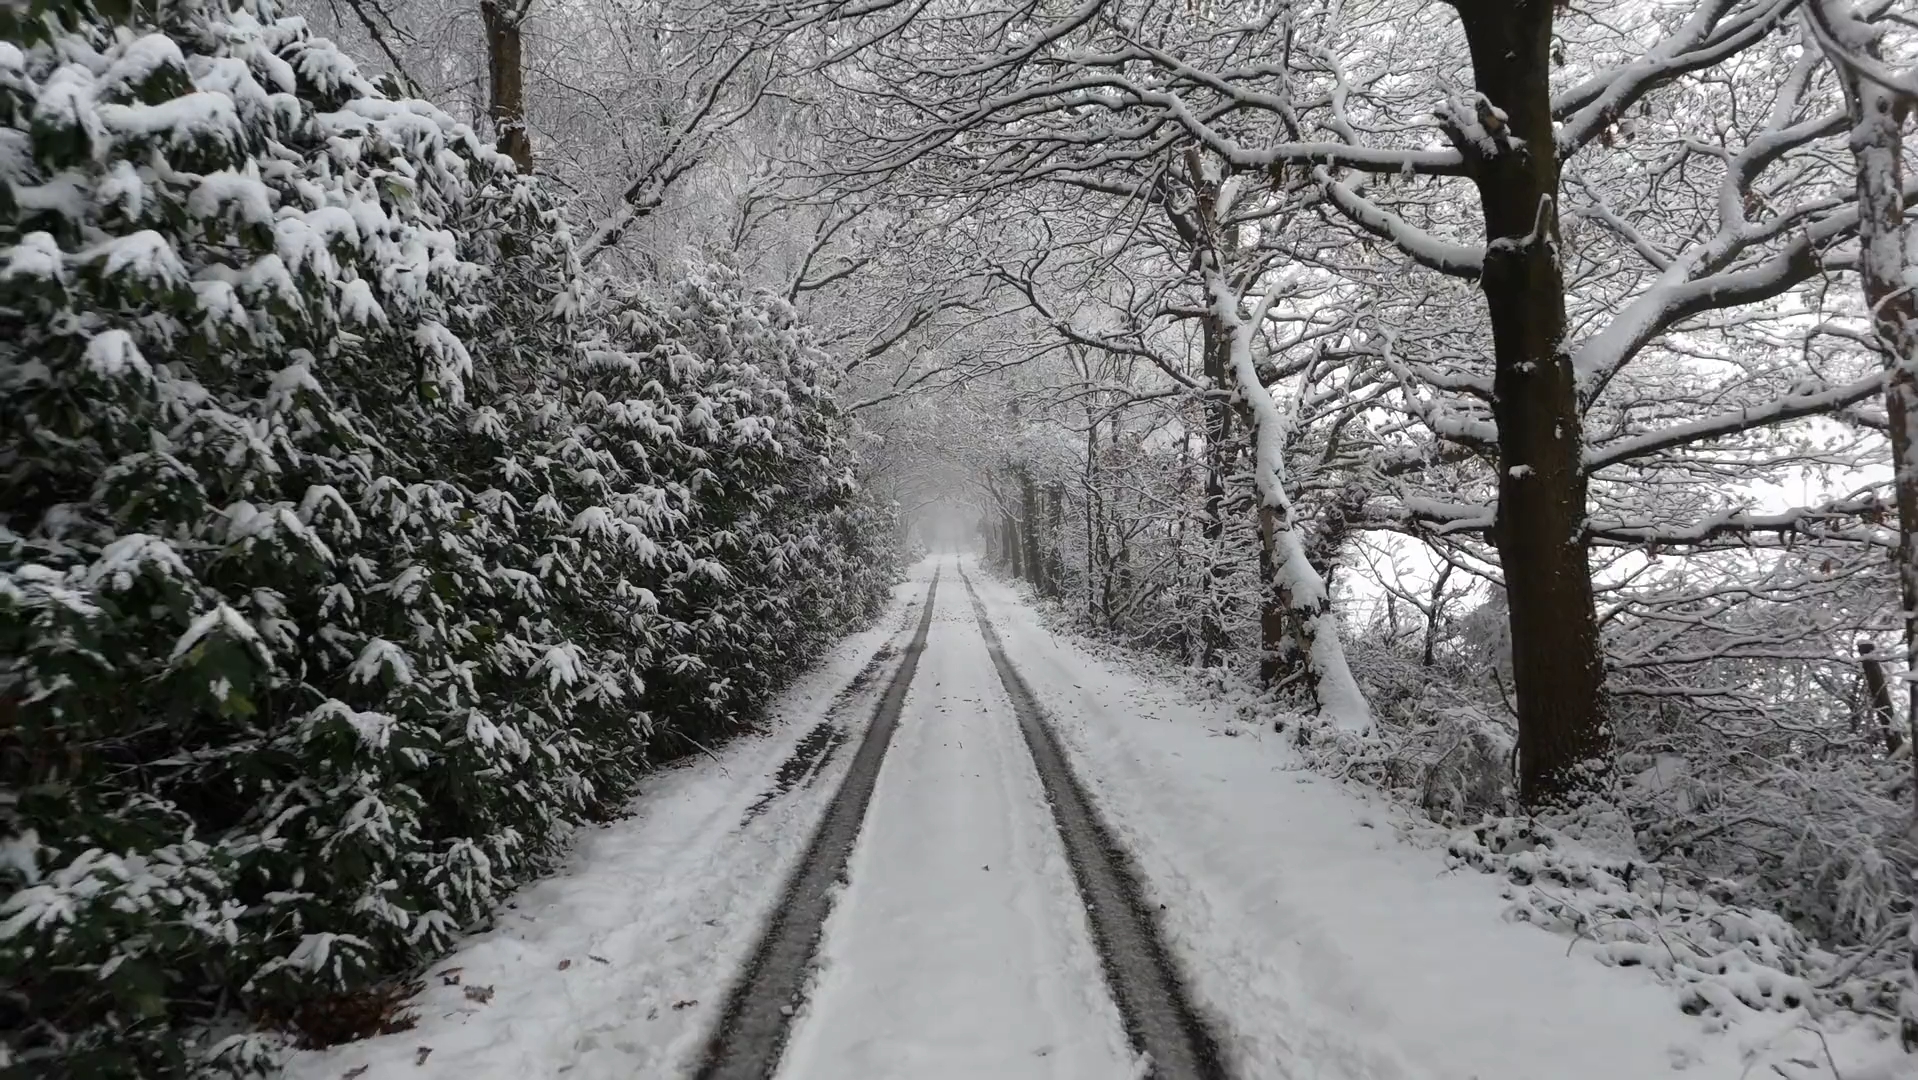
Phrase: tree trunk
(1185, 600)
(1878, 697)
(1278, 653)
(1335, 528)
(1055, 561)
(1295, 615)
(1010, 549)
(506, 77)
(1437, 613)
(1877, 144)
(1293, 592)
(1030, 527)
(1218, 432)
(1119, 582)
(1878, 116)
(1095, 520)
(1565, 743)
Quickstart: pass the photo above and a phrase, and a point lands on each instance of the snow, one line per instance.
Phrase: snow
(123, 560)
(302, 248)
(36, 256)
(221, 618)
(316, 953)
(1330, 946)
(1801, 402)
(381, 657)
(616, 967)
(20, 853)
(113, 353)
(374, 729)
(144, 255)
(959, 948)
(141, 59)
(67, 102)
(1445, 256)
(1314, 937)
(201, 115)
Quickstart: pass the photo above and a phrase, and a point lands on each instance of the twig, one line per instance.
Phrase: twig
(702, 748)
(379, 39)
(1829, 1059)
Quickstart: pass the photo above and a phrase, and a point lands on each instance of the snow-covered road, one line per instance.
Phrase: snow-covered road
(959, 947)
(1314, 943)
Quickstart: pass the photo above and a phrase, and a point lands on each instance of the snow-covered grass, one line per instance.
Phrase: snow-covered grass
(617, 966)
(1334, 936)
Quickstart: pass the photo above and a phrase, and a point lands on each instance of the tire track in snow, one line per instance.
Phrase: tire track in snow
(1159, 1019)
(752, 1031)
(815, 749)
(958, 947)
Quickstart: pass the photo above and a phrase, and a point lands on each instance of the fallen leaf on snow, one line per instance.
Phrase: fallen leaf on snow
(688, 1003)
(419, 1056)
(564, 964)
(481, 994)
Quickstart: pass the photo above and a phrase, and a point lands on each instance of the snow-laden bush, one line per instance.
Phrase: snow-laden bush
(1434, 742)
(1819, 838)
(353, 547)
(1728, 953)
(1760, 871)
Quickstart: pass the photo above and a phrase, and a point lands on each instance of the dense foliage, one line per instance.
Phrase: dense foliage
(354, 544)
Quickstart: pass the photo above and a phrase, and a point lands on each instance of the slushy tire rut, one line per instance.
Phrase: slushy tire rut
(752, 1031)
(1145, 984)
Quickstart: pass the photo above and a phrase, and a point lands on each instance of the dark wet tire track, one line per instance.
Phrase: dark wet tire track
(811, 754)
(1145, 985)
(753, 1029)
(815, 750)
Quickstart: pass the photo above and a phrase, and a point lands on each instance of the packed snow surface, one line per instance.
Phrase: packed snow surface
(959, 947)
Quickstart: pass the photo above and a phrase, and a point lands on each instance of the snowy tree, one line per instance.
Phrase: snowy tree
(356, 546)
(1881, 98)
